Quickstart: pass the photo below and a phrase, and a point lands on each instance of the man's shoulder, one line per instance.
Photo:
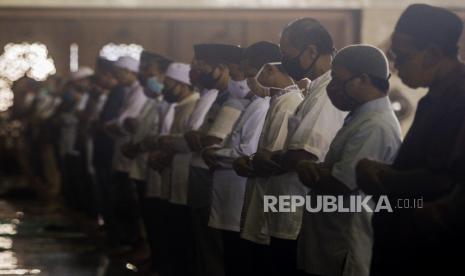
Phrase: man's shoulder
(236, 103)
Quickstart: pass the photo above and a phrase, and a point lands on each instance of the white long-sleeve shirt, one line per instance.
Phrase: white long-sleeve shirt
(132, 106)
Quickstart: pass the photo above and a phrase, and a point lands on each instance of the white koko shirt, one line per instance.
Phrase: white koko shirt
(338, 243)
(312, 128)
(172, 184)
(272, 139)
(148, 126)
(183, 156)
(132, 106)
(229, 188)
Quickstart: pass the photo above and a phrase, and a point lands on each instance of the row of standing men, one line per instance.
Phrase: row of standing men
(182, 156)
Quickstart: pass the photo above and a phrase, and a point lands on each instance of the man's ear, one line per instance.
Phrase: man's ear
(365, 79)
(432, 56)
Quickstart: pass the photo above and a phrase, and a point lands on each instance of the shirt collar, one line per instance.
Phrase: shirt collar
(205, 91)
(378, 105)
(285, 90)
(192, 97)
(319, 82)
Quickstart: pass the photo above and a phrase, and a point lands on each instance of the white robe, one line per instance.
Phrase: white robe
(272, 139)
(174, 179)
(148, 126)
(229, 188)
(133, 103)
(312, 128)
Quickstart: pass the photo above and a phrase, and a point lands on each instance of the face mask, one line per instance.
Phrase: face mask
(293, 68)
(154, 85)
(257, 89)
(194, 77)
(238, 89)
(260, 72)
(207, 80)
(348, 98)
(170, 94)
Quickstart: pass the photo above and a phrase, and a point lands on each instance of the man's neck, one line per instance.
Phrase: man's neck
(185, 96)
(447, 68)
(284, 83)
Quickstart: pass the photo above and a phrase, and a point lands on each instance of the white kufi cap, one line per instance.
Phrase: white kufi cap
(179, 72)
(129, 63)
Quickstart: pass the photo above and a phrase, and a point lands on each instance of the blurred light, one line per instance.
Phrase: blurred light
(8, 261)
(397, 106)
(20, 272)
(73, 57)
(100, 221)
(22, 59)
(7, 229)
(113, 51)
(131, 267)
(30, 59)
(6, 243)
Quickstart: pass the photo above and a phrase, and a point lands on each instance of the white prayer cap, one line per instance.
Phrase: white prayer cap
(179, 72)
(81, 73)
(129, 63)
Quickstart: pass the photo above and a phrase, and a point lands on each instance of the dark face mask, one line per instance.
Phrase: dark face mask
(348, 99)
(207, 80)
(194, 77)
(170, 94)
(293, 68)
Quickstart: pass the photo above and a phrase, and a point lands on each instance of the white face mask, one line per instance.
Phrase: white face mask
(261, 70)
(238, 89)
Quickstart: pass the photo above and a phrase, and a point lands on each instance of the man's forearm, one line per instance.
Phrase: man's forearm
(418, 183)
(328, 184)
(291, 158)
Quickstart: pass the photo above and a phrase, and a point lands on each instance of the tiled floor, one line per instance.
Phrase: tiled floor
(39, 240)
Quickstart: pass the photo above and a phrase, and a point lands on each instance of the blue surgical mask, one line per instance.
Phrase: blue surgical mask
(154, 85)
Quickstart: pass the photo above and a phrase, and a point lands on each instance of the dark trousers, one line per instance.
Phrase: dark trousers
(237, 256)
(208, 244)
(105, 198)
(126, 211)
(402, 247)
(260, 264)
(284, 257)
(177, 249)
(155, 226)
(77, 185)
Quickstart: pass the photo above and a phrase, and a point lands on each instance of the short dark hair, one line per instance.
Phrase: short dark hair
(308, 31)
(261, 53)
